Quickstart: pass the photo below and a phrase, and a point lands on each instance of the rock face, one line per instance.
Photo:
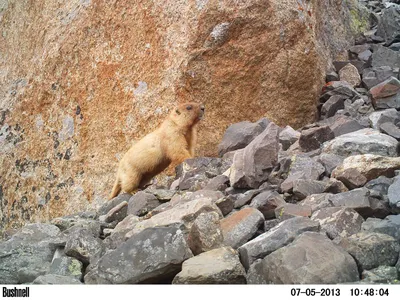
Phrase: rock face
(304, 261)
(105, 73)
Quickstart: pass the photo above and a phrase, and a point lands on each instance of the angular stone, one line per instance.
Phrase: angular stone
(388, 115)
(290, 210)
(330, 161)
(379, 186)
(391, 129)
(28, 253)
(117, 236)
(302, 167)
(381, 274)
(218, 183)
(225, 205)
(365, 56)
(66, 266)
(117, 213)
(279, 236)
(374, 76)
(304, 261)
(335, 186)
(368, 165)
(82, 245)
(269, 224)
(364, 141)
(393, 195)
(162, 195)
(359, 48)
(371, 249)
(141, 203)
(351, 177)
(339, 65)
(56, 279)
(389, 24)
(383, 56)
(350, 74)
(331, 76)
(332, 105)
(241, 226)
(238, 136)
(243, 199)
(340, 124)
(255, 274)
(266, 202)
(106, 207)
(338, 222)
(303, 188)
(83, 219)
(218, 266)
(313, 138)
(386, 94)
(390, 226)
(185, 212)
(153, 255)
(317, 201)
(288, 136)
(205, 233)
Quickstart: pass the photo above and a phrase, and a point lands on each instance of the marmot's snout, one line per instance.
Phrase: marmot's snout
(201, 113)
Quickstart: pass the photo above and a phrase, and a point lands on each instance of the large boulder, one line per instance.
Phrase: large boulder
(105, 73)
(153, 255)
(305, 262)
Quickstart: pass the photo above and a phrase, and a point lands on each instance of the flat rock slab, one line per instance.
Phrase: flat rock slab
(364, 141)
(290, 210)
(390, 226)
(218, 266)
(382, 274)
(338, 222)
(312, 138)
(386, 94)
(141, 203)
(277, 237)
(241, 226)
(56, 279)
(304, 261)
(303, 188)
(266, 202)
(28, 253)
(153, 255)
(368, 165)
(371, 249)
(393, 195)
(317, 201)
(66, 266)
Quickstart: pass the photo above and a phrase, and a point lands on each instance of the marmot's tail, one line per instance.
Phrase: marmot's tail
(116, 189)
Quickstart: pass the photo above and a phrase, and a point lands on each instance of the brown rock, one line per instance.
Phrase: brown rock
(290, 210)
(313, 138)
(105, 73)
(352, 178)
(350, 74)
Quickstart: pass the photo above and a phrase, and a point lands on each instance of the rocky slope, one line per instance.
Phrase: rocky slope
(80, 79)
(271, 209)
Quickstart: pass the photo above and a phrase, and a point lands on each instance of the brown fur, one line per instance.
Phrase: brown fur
(172, 142)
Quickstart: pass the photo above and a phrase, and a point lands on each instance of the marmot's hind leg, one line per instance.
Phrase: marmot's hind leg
(130, 182)
(116, 189)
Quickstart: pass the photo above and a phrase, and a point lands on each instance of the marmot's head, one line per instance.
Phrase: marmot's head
(187, 114)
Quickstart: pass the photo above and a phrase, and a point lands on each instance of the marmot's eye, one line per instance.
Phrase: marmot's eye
(189, 107)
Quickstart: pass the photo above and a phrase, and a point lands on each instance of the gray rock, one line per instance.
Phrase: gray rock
(117, 236)
(255, 273)
(380, 186)
(66, 266)
(365, 55)
(241, 226)
(245, 198)
(162, 194)
(395, 47)
(28, 253)
(288, 136)
(364, 141)
(290, 210)
(304, 261)
(269, 224)
(82, 245)
(75, 220)
(330, 161)
(107, 206)
(360, 200)
(238, 136)
(302, 167)
(341, 64)
(383, 116)
(279, 236)
(55, 279)
(338, 222)
(386, 94)
(218, 183)
(351, 177)
(225, 205)
(303, 188)
(389, 24)
(340, 124)
(350, 74)
(383, 56)
(330, 107)
(390, 226)
(317, 201)
(141, 203)
(371, 249)
(374, 76)
(205, 233)
(153, 255)
(359, 48)
(266, 202)
(313, 138)
(381, 274)
(117, 213)
(393, 195)
(391, 129)
(219, 266)
(335, 186)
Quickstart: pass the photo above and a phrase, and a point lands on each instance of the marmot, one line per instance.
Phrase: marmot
(172, 142)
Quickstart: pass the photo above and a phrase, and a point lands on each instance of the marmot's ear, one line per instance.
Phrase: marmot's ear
(178, 112)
